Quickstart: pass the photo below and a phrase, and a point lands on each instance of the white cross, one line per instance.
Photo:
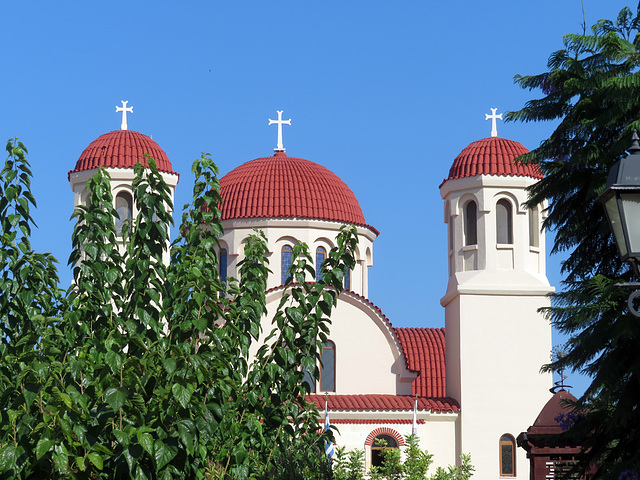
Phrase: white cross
(279, 122)
(493, 117)
(124, 109)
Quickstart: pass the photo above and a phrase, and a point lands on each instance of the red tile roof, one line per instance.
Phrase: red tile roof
(424, 351)
(121, 149)
(386, 403)
(492, 156)
(365, 421)
(287, 187)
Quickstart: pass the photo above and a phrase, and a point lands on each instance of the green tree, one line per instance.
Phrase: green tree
(592, 88)
(141, 369)
(412, 464)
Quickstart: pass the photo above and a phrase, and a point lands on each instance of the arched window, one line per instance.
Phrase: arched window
(507, 456)
(470, 223)
(309, 380)
(223, 265)
(534, 228)
(287, 257)
(504, 222)
(380, 443)
(347, 279)
(321, 254)
(124, 208)
(328, 367)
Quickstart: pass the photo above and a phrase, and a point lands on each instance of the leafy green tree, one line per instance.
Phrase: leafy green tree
(592, 88)
(141, 369)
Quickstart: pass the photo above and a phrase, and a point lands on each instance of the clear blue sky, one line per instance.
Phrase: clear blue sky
(385, 94)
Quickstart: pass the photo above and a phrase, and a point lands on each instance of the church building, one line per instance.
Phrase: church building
(470, 387)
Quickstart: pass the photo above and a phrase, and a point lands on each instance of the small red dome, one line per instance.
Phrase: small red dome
(492, 156)
(121, 149)
(287, 187)
(555, 416)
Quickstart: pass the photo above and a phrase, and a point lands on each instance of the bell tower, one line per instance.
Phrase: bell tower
(118, 152)
(496, 341)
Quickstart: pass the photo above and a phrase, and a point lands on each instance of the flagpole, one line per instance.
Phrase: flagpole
(414, 429)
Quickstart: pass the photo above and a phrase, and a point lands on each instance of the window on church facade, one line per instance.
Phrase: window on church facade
(471, 223)
(347, 279)
(381, 443)
(124, 208)
(223, 265)
(534, 228)
(507, 456)
(327, 370)
(504, 222)
(287, 257)
(321, 254)
(308, 379)
(328, 367)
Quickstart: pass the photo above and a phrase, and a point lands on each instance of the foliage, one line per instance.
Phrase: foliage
(142, 369)
(592, 88)
(414, 466)
(349, 465)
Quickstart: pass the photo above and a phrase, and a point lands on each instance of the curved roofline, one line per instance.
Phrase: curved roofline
(121, 149)
(282, 186)
(291, 217)
(497, 167)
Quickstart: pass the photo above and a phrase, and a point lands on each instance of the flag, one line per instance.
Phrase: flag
(414, 429)
(328, 444)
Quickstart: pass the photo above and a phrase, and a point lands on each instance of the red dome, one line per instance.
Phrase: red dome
(121, 149)
(287, 187)
(553, 414)
(492, 156)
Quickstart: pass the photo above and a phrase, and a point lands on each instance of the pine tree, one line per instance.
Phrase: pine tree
(592, 88)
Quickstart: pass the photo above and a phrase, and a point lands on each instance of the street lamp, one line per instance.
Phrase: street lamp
(621, 200)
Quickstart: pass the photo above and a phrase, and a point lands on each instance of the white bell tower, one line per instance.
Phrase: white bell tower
(496, 341)
(118, 152)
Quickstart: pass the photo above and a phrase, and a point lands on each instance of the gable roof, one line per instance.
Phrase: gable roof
(424, 352)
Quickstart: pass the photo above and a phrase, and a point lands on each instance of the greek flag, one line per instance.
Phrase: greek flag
(328, 445)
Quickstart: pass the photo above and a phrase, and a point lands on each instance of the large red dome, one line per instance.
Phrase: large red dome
(122, 149)
(287, 187)
(492, 156)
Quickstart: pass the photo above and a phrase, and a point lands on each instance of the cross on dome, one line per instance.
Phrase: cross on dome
(493, 117)
(124, 109)
(279, 122)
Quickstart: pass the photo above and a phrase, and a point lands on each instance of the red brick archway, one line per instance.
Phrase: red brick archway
(384, 431)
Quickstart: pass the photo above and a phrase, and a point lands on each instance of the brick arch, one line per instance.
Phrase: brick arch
(384, 431)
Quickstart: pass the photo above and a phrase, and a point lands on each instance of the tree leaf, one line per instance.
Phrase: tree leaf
(43, 446)
(163, 454)
(116, 397)
(96, 459)
(182, 393)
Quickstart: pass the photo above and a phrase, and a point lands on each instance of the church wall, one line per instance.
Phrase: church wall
(280, 232)
(503, 344)
(368, 360)
(437, 434)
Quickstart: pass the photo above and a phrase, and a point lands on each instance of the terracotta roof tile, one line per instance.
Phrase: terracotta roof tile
(492, 156)
(386, 403)
(287, 187)
(364, 421)
(424, 351)
(121, 149)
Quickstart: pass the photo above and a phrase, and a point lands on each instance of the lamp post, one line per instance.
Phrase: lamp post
(621, 200)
